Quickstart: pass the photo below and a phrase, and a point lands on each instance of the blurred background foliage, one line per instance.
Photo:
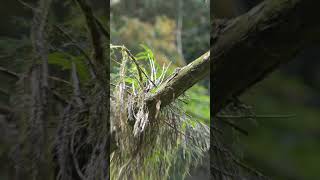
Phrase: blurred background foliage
(287, 147)
(155, 23)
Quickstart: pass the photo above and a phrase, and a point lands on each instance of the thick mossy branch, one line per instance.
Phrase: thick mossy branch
(245, 49)
(249, 47)
(181, 80)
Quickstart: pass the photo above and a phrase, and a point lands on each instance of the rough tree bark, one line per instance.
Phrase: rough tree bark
(251, 46)
(245, 49)
(39, 87)
(181, 80)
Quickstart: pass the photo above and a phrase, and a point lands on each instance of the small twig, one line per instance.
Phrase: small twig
(54, 78)
(234, 126)
(254, 116)
(59, 97)
(247, 167)
(115, 61)
(136, 63)
(191, 115)
(139, 68)
(28, 6)
(177, 130)
(10, 73)
(101, 27)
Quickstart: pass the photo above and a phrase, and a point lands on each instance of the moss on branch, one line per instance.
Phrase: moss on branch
(180, 81)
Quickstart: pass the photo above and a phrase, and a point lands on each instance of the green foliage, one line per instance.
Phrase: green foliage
(198, 103)
(64, 61)
(165, 147)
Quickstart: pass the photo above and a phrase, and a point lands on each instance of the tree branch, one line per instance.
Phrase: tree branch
(9, 73)
(251, 46)
(246, 49)
(179, 82)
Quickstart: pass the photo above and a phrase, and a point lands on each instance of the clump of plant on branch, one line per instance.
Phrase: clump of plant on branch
(149, 146)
